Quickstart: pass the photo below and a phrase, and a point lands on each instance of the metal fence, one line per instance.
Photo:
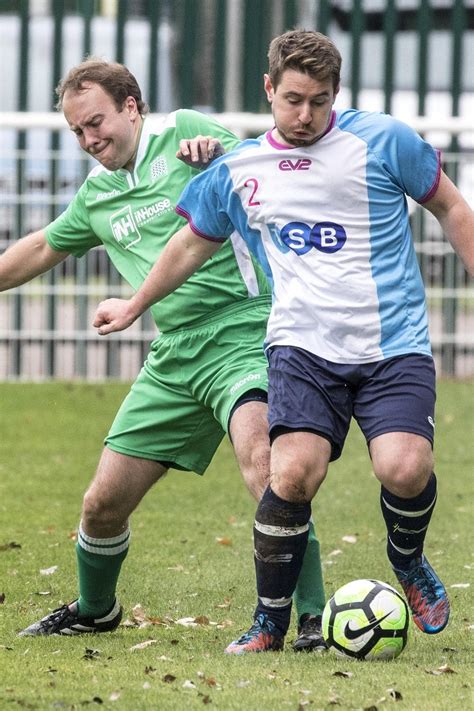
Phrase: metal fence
(412, 58)
(45, 326)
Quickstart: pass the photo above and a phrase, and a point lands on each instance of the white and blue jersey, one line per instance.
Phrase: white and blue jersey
(329, 225)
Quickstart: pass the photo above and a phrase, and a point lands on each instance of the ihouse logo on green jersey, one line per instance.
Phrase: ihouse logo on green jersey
(126, 223)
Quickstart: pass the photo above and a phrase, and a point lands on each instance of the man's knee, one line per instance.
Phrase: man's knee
(100, 509)
(405, 473)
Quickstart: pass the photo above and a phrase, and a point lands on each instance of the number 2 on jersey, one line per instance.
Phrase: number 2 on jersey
(252, 182)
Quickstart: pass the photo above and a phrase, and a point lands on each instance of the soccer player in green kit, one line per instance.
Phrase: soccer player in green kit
(206, 372)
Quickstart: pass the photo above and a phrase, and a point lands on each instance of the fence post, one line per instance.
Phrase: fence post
(424, 23)
(389, 28)
(23, 77)
(357, 28)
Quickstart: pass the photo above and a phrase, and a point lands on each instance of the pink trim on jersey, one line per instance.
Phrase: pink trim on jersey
(431, 192)
(195, 229)
(283, 147)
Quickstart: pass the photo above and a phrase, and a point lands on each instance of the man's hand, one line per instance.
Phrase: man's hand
(113, 315)
(199, 151)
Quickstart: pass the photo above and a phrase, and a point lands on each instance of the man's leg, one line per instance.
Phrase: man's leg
(249, 433)
(403, 463)
(299, 465)
(117, 488)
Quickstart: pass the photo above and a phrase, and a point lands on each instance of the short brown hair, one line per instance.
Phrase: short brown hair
(304, 51)
(114, 78)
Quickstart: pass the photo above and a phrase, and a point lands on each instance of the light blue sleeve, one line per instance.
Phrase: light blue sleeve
(409, 161)
(204, 200)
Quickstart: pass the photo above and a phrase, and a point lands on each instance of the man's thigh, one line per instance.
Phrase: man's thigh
(307, 393)
(397, 395)
(161, 420)
(223, 361)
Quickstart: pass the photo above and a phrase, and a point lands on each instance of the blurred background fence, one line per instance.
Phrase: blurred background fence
(412, 58)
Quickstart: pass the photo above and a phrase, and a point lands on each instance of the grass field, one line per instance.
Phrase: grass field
(191, 557)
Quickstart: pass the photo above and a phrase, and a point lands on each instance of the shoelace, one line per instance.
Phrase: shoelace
(58, 615)
(257, 627)
(423, 580)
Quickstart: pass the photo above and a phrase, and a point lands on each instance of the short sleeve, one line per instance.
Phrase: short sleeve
(71, 231)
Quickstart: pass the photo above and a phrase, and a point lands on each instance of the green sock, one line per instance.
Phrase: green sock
(309, 595)
(99, 561)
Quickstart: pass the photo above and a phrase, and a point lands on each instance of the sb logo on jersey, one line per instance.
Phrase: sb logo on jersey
(327, 237)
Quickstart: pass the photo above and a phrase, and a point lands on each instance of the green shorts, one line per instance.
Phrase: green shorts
(178, 408)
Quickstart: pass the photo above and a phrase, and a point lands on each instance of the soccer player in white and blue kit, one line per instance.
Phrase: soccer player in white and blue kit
(321, 202)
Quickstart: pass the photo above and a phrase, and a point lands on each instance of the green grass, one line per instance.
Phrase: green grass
(50, 441)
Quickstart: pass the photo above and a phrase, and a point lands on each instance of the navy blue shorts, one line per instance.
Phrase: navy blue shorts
(308, 393)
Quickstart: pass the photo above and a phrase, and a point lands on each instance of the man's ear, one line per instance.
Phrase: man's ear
(268, 86)
(131, 106)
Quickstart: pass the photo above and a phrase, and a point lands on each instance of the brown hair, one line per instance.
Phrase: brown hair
(304, 51)
(115, 79)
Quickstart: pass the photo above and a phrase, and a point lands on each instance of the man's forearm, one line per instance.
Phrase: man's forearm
(26, 259)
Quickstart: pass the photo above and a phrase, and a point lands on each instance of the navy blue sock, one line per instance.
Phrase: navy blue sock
(407, 522)
(280, 537)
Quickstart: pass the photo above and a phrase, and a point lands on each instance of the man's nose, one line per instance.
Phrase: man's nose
(89, 138)
(305, 115)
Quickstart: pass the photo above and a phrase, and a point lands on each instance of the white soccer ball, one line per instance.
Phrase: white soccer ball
(366, 619)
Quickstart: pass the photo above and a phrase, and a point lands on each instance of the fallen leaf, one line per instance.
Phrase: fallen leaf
(394, 694)
(224, 624)
(449, 649)
(188, 684)
(91, 653)
(225, 605)
(114, 696)
(43, 592)
(444, 669)
(224, 541)
(346, 675)
(349, 539)
(2, 598)
(243, 683)
(336, 551)
(177, 568)
(194, 621)
(149, 670)
(460, 585)
(143, 645)
(146, 685)
(9, 546)
(169, 678)
(48, 571)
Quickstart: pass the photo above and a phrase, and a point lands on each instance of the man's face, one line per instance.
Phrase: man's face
(109, 135)
(301, 107)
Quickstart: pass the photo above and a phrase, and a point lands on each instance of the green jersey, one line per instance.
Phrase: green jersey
(133, 216)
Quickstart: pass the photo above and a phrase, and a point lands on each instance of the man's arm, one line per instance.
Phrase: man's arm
(26, 259)
(456, 218)
(182, 256)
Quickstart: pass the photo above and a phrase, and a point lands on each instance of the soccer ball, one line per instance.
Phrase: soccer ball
(366, 619)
